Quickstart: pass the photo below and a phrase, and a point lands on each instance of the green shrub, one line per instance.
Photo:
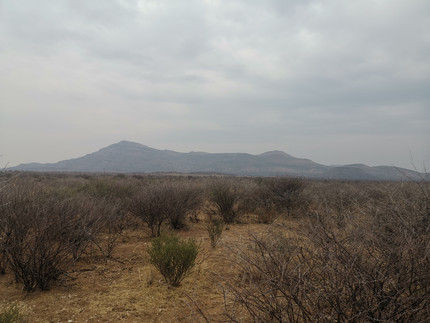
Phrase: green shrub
(173, 257)
(11, 315)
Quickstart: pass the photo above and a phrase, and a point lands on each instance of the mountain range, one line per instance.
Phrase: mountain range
(131, 157)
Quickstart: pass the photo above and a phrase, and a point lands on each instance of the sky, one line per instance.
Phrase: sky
(334, 81)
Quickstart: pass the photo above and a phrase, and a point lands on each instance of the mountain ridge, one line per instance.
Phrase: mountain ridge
(132, 157)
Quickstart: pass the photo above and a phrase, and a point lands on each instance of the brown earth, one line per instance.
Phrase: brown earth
(128, 288)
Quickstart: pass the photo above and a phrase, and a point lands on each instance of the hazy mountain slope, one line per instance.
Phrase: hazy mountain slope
(130, 157)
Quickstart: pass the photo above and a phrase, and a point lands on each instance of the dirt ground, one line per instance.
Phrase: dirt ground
(128, 288)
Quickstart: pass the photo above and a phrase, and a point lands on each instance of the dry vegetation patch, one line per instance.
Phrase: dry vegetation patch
(326, 251)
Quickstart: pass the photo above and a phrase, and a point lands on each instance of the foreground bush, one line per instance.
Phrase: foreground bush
(173, 257)
(42, 231)
(38, 235)
(374, 268)
(4, 238)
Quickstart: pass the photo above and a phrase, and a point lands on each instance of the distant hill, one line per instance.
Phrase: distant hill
(130, 157)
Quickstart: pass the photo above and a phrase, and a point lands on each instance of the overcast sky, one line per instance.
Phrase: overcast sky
(335, 81)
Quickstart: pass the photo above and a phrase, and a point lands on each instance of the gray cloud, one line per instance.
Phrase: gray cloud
(334, 81)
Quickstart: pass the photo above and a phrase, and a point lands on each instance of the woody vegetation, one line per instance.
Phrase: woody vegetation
(358, 251)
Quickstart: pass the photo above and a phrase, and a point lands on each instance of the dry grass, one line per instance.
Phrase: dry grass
(128, 288)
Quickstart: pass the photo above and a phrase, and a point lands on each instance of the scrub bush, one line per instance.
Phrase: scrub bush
(214, 228)
(173, 257)
(373, 268)
(224, 201)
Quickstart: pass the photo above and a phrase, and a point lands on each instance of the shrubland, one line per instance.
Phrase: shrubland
(288, 249)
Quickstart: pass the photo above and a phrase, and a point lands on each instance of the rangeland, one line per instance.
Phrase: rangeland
(291, 250)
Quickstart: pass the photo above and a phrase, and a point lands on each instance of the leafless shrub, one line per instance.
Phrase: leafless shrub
(272, 282)
(180, 200)
(263, 206)
(42, 229)
(37, 247)
(379, 265)
(3, 259)
(146, 204)
(5, 230)
(84, 224)
(285, 193)
(276, 196)
(108, 188)
(372, 269)
(341, 200)
(112, 223)
(165, 202)
(214, 228)
(224, 200)
(4, 241)
(4, 234)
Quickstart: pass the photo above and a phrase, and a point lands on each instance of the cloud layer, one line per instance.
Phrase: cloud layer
(334, 81)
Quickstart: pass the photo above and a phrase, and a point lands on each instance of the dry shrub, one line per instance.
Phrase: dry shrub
(37, 245)
(83, 224)
(266, 216)
(112, 220)
(285, 193)
(372, 269)
(4, 233)
(44, 229)
(147, 204)
(214, 228)
(276, 196)
(107, 188)
(3, 257)
(181, 199)
(165, 202)
(224, 201)
(4, 228)
(341, 200)
(267, 287)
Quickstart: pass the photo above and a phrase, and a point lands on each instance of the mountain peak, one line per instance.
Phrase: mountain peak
(126, 143)
(274, 153)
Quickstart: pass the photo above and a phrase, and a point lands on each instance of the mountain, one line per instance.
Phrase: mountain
(130, 157)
